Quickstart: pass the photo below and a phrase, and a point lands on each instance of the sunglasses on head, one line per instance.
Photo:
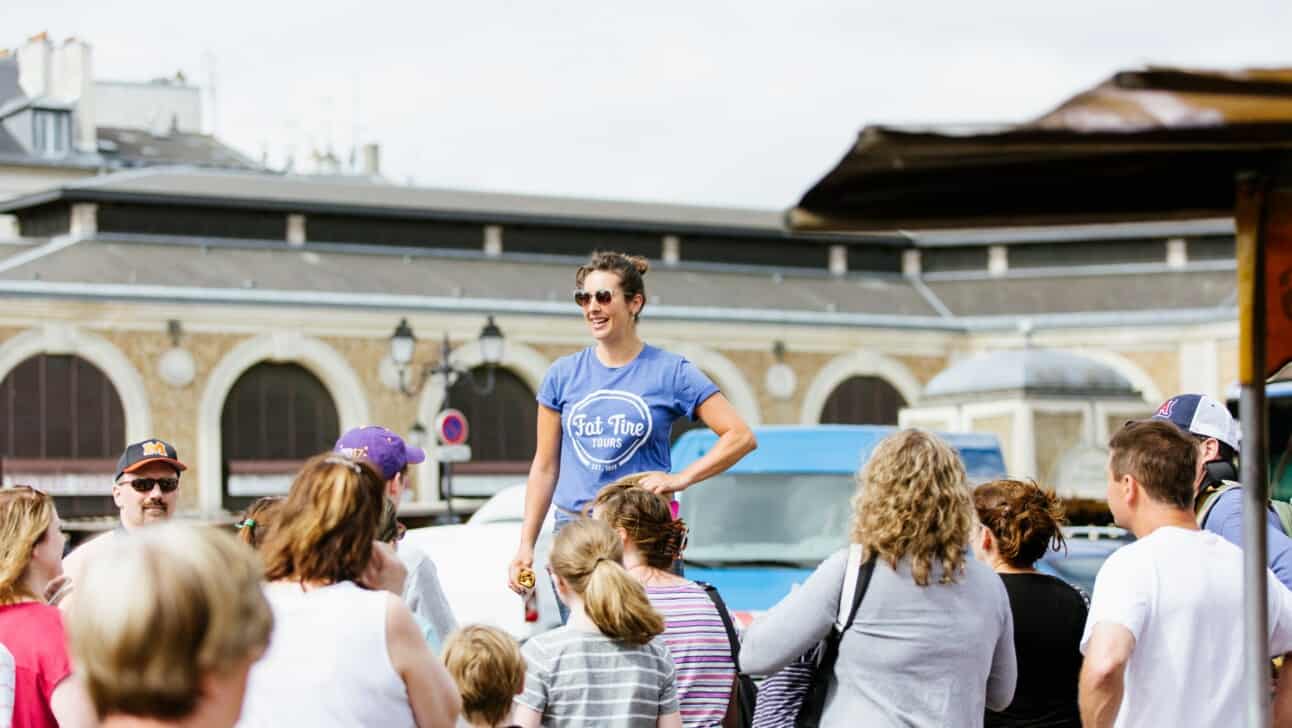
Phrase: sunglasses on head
(146, 485)
(583, 298)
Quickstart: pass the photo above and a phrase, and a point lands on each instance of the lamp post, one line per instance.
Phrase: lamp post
(402, 344)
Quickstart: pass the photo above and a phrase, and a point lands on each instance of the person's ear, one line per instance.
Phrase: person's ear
(116, 494)
(1131, 490)
(987, 541)
(1210, 449)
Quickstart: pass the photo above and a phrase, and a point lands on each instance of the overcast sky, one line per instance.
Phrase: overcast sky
(743, 102)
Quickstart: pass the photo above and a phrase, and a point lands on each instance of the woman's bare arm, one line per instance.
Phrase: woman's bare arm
(71, 705)
(735, 440)
(539, 488)
(431, 692)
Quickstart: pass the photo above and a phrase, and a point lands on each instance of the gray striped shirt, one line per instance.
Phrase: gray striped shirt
(577, 677)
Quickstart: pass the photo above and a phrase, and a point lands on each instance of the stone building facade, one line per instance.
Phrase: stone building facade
(176, 284)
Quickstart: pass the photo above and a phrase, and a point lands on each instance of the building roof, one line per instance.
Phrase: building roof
(1039, 372)
(137, 148)
(347, 195)
(139, 268)
(324, 270)
(9, 87)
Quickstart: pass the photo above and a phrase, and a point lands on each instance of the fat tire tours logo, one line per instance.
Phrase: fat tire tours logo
(608, 427)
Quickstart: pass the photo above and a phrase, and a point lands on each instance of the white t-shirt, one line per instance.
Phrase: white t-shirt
(1180, 593)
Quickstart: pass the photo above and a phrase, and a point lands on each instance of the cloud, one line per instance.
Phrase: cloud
(741, 103)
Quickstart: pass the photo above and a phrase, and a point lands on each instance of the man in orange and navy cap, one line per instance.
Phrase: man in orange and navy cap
(145, 491)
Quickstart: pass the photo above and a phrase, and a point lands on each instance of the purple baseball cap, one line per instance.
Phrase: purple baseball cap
(381, 447)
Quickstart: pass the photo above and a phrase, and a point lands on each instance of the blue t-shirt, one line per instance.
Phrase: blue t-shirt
(1226, 520)
(616, 421)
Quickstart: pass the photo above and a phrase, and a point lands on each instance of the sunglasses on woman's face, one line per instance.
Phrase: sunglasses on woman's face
(146, 485)
(583, 298)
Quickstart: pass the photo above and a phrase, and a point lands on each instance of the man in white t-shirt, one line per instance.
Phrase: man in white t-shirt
(1163, 641)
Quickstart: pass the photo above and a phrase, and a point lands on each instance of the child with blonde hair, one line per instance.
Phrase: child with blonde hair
(489, 670)
(605, 667)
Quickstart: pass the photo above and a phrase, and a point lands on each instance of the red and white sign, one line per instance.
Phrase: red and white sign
(451, 427)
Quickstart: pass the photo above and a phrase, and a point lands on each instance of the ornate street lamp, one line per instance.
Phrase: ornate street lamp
(404, 342)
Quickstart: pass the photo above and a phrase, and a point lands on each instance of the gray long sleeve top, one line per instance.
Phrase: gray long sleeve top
(915, 656)
(425, 597)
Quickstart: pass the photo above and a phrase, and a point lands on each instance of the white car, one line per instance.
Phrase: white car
(473, 558)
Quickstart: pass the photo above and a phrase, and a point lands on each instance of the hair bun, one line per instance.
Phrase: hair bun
(641, 264)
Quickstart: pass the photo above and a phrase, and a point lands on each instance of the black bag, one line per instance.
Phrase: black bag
(746, 690)
(795, 696)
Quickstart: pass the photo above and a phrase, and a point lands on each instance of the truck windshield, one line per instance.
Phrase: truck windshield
(796, 519)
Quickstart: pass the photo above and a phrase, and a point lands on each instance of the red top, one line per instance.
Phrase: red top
(34, 633)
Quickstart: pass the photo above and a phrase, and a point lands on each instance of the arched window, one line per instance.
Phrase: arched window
(62, 428)
(502, 436)
(275, 417)
(863, 401)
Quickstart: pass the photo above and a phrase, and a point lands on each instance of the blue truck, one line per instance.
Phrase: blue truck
(765, 524)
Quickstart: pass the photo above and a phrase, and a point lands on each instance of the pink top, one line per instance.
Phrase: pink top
(33, 632)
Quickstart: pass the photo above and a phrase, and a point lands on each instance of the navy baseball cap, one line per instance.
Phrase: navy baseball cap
(381, 447)
(1202, 416)
(140, 454)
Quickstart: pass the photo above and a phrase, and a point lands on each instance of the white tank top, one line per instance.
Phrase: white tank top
(327, 663)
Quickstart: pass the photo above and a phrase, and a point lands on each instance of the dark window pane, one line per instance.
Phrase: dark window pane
(384, 231)
(192, 221)
(939, 260)
(502, 423)
(1098, 252)
(278, 412)
(578, 242)
(59, 379)
(1212, 248)
(755, 251)
(863, 401)
(55, 406)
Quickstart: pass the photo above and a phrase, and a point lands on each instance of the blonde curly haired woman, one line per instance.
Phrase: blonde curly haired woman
(933, 640)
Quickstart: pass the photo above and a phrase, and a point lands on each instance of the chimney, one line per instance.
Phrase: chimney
(372, 160)
(72, 79)
(34, 66)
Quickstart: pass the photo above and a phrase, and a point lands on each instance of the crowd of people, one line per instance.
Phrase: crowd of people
(316, 613)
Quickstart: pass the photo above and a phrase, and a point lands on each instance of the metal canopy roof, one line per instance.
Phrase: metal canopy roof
(1157, 144)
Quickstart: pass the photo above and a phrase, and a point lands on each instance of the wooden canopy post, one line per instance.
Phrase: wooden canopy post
(1250, 222)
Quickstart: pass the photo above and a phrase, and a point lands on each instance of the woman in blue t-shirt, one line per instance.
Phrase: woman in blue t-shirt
(606, 411)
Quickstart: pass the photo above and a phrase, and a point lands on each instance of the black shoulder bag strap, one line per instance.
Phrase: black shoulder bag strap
(814, 703)
(747, 691)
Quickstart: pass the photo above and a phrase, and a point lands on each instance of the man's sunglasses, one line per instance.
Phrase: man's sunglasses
(583, 298)
(146, 485)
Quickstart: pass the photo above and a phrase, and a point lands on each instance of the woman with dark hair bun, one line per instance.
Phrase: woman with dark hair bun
(606, 411)
(1018, 521)
(694, 630)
